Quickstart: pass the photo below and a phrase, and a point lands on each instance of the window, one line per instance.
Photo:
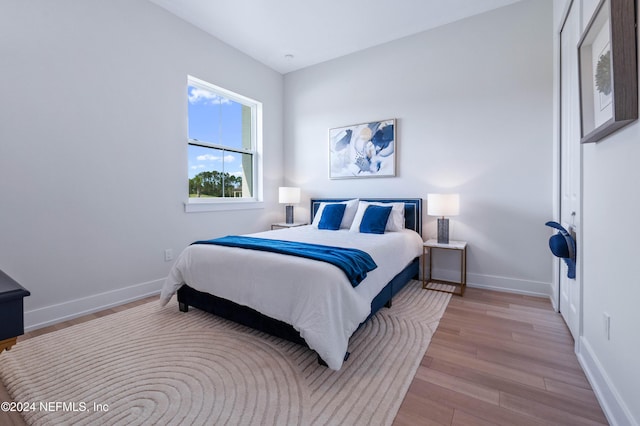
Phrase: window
(223, 139)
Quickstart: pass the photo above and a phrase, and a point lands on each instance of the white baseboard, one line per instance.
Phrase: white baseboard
(612, 404)
(496, 283)
(49, 315)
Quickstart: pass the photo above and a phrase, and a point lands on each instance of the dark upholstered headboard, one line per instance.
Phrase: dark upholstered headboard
(412, 209)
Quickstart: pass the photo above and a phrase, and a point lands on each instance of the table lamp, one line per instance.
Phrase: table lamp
(289, 196)
(443, 205)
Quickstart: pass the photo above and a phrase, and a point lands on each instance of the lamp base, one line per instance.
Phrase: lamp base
(443, 231)
(288, 214)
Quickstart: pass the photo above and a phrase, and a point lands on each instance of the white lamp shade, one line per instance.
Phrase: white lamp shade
(443, 204)
(288, 195)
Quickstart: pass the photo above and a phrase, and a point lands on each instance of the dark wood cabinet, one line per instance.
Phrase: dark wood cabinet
(11, 311)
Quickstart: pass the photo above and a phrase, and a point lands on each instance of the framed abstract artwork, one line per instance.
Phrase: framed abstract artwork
(608, 70)
(363, 150)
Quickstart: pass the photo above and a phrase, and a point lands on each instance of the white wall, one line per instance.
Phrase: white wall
(473, 101)
(93, 155)
(611, 285)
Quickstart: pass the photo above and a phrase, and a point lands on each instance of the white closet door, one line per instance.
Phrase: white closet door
(570, 161)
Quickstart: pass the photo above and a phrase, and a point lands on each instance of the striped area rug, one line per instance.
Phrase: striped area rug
(151, 365)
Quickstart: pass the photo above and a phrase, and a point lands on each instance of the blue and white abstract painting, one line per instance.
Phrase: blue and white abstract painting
(363, 150)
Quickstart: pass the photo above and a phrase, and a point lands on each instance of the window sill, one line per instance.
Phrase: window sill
(200, 206)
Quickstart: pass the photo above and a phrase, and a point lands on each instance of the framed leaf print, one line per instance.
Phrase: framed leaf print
(608, 70)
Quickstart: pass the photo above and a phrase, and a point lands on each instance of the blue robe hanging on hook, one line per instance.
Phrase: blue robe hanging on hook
(563, 245)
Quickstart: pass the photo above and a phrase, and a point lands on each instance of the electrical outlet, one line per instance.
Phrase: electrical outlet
(168, 255)
(606, 322)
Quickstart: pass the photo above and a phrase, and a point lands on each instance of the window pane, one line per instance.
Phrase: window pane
(219, 173)
(231, 124)
(247, 125)
(205, 169)
(204, 114)
(239, 168)
(218, 120)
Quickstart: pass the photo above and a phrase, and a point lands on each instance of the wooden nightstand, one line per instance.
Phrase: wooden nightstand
(433, 244)
(283, 225)
(11, 311)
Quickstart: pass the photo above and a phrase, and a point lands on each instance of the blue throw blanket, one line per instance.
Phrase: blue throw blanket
(355, 263)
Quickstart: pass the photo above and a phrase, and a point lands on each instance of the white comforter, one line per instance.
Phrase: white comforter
(315, 297)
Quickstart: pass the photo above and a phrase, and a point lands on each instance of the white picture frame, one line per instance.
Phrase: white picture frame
(363, 150)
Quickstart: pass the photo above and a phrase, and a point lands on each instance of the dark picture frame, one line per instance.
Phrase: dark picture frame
(608, 70)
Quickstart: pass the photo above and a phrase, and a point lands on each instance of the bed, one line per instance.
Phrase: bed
(304, 300)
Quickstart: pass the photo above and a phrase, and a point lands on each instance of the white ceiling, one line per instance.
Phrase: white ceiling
(317, 31)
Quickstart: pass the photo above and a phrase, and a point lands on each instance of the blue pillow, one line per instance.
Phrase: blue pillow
(375, 219)
(332, 216)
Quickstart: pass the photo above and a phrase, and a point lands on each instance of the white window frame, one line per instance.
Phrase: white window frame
(193, 205)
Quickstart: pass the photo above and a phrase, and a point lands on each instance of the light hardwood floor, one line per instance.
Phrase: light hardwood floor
(500, 359)
(496, 359)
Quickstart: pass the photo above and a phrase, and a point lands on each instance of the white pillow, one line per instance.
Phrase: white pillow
(394, 223)
(347, 218)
